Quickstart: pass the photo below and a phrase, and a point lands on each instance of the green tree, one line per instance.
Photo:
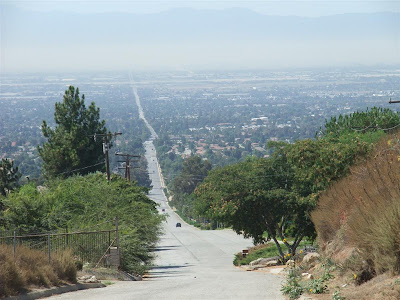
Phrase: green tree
(254, 197)
(373, 119)
(195, 169)
(9, 176)
(69, 146)
(318, 163)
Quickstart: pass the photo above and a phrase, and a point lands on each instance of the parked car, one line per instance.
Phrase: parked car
(178, 225)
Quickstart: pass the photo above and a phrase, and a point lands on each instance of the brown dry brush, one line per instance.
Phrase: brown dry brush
(31, 268)
(363, 211)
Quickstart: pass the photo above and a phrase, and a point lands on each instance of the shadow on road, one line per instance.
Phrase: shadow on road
(165, 248)
(169, 267)
(166, 271)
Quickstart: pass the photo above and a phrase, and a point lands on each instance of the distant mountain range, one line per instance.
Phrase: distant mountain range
(185, 25)
(190, 38)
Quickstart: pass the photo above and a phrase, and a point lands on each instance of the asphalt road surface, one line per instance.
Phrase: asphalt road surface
(190, 263)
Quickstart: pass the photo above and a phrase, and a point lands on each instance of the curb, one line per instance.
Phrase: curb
(56, 291)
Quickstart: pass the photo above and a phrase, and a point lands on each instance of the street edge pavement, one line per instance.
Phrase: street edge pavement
(56, 291)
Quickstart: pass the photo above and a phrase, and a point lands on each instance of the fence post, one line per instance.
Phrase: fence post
(66, 231)
(117, 240)
(48, 245)
(15, 244)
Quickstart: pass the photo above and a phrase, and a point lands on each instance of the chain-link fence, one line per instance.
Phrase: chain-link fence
(87, 246)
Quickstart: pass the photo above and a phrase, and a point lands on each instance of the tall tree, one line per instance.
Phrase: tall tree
(254, 197)
(69, 148)
(9, 176)
(195, 169)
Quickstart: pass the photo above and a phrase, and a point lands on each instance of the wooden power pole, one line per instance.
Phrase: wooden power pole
(106, 140)
(127, 164)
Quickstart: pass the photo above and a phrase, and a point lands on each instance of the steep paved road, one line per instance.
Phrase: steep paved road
(190, 263)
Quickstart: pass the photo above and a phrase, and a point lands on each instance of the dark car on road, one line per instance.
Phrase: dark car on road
(178, 225)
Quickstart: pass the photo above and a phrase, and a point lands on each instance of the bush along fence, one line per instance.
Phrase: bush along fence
(95, 247)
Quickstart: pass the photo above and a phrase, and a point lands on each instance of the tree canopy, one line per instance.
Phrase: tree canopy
(254, 197)
(194, 170)
(9, 176)
(373, 119)
(69, 148)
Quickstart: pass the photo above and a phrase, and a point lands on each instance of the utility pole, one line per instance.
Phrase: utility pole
(106, 138)
(127, 164)
(393, 101)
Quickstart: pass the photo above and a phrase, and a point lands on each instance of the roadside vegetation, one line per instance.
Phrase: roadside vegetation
(89, 201)
(31, 269)
(277, 194)
(342, 187)
(357, 220)
(75, 196)
(262, 250)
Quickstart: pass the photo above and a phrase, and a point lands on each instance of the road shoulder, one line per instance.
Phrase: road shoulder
(56, 291)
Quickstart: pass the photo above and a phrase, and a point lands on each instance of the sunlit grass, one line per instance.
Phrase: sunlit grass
(264, 250)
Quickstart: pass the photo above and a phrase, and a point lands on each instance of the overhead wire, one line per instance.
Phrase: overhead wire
(87, 167)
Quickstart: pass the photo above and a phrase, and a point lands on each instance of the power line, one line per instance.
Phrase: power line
(127, 163)
(361, 129)
(71, 171)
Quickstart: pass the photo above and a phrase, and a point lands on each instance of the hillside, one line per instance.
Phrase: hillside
(357, 220)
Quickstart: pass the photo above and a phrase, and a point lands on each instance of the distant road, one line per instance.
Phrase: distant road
(190, 263)
(141, 114)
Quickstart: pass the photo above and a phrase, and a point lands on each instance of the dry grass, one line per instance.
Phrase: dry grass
(383, 286)
(64, 266)
(360, 215)
(31, 268)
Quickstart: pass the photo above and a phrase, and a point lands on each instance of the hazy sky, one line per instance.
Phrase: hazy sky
(275, 7)
(40, 36)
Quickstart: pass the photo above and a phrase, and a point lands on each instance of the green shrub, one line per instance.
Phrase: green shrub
(292, 287)
(336, 296)
(78, 265)
(317, 286)
(81, 202)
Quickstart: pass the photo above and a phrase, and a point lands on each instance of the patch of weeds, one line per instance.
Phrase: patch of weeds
(317, 286)
(106, 282)
(293, 288)
(336, 296)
